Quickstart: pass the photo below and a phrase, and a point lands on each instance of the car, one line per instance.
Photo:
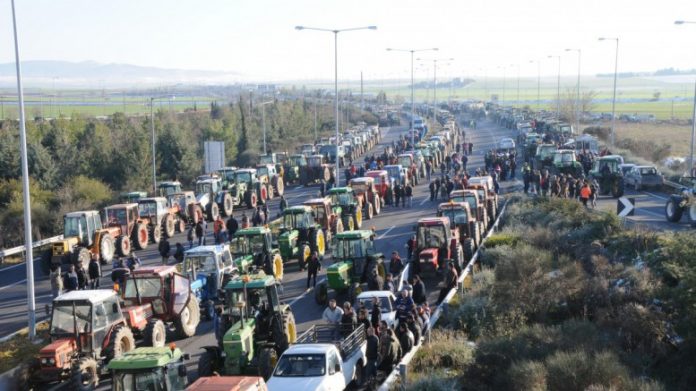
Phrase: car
(386, 303)
(625, 168)
(643, 176)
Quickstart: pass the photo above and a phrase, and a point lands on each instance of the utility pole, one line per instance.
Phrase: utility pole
(361, 92)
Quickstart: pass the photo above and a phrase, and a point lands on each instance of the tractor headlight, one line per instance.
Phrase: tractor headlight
(44, 361)
(52, 361)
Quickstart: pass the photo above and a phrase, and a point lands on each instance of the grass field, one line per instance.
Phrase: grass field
(677, 136)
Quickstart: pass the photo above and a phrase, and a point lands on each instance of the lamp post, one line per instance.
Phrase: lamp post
(435, 60)
(518, 82)
(558, 89)
(152, 131)
(538, 83)
(692, 171)
(413, 105)
(577, 93)
(613, 99)
(263, 122)
(335, 33)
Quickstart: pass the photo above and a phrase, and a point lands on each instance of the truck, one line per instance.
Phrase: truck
(149, 368)
(320, 361)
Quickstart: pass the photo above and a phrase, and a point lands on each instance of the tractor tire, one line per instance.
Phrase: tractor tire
(45, 263)
(180, 225)
(377, 204)
(304, 254)
(187, 321)
(267, 360)
(325, 174)
(227, 205)
(353, 292)
(673, 212)
(84, 374)
(81, 257)
(123, 246)
(250, 199)
(347, 223)
(469, 249)
(617, 189)
(277, 267)
(168, 226)
(289, 326)
(269, 191)
(121, 341)
(338, 226)
(321, 293)
(206, 363)
(369, 211)
(212, 211)
(357, 219)
(279, 186)
(156, 234)
(318, 242)
(141, 237)
(106, 249)
(692, 214)
(263, 194)
(155, 334)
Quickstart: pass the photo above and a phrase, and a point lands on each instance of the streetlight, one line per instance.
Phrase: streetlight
(335, 33)
(518, 81)
(152, 130)
(31, 301)
(613, 99)
(538, 62)
(435, 60)
(558, 89)
(413, 105)
(263, 122)
(693, 117)
(577, 96)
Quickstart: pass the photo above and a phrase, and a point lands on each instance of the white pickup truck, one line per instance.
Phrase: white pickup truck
(320, 361)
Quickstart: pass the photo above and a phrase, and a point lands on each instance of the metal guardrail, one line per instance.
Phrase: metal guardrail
(20, 249)
(399, 372)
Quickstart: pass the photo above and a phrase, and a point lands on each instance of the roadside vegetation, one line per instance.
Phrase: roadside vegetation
(20, 349)
(568, 299)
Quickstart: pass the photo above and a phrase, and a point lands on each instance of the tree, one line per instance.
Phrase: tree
(568, 104)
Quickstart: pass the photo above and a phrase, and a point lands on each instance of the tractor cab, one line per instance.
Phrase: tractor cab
(246, 176)
(433, 238)
(169, 187)
(297, 217)
(270, 158)
(81, 226)
(150, 368)
(457, 213)
(564, 157)
(131, 197)
(405, 160)
(209, 268)
(253, 248)
(158, 289)
(316, 160)
(300, 234)
(227, 175)
(297, 160)
(342, 196)
(208, 184)
(356, 261)
(154, 208)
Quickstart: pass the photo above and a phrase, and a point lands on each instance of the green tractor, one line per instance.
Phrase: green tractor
(607, 172)
(351, 207)
(300, 235)
(149, 368)
(565, 162)
(276, 158)
(543, 158)
(253, 248)
(356, 261)
(293, 168)
(131, 197)
(258, 329)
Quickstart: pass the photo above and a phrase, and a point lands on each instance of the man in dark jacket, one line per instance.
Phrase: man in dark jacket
(419, 294)
(372, 354)
(431, 187)
(232, 226)
(179, 253)
(313, 267)
(405, 338)
(415, 329)
(395, 264)
(94, 272)
(376, 314)
(71, 282)
(449, 282)
(164, 249)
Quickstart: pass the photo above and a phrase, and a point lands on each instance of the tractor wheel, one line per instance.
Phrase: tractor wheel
(156, 234)
(369, 211)
(318, 242)
(338, 227)
(212, 211)
(353, 292)
(123, 246)
(187, 321)
(692, 214)
(180, 225)
(469, 249)
(617, 188)
(106, 249)
(279, 186)
(277, 265)
(121, 341)
(45, 263)
(357, 219)
(326, 174)
(168, 226)
(321, 293)
(250, 199)
(155, 334)
(377, 204)
(347, 222)
(263, 194)
(267, 361)
(290, 327)
(206, 363)
(84, 374)
(673, 212)
(270, 191)
(81, 256)
(303, 256)
(227, 204)
(140, 236)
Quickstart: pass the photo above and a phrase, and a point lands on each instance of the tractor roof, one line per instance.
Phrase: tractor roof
(227, 169)
(297, 209)
(453, 205)
(154, 270)
(357, 234)
(465, 192)
(93, 296)
(362, 180)
(122, 206)
(251, 231)
(249, 170)
(339, 190)
(145, 357)
(152, 199)
(134, 193)
(80, 213)
(405, 155)
(433, 221)
(206, 249)
(228, 383)
(611, 157)
(260, 280)
(376, 173)
(316, 201)
(169, 183)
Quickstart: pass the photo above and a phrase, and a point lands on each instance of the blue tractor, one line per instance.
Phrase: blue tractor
(209, 268)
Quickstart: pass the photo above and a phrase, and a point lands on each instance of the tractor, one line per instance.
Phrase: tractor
(278, 159)
(565, 162)
(209, 268)
(356, 261)
(155, 297)
(293, 167)
(685, 200)
(437, 243)
(253, 248)
(316, 170)
(125, 217)
(407, 161)
(462, 220)
(365, 188)
(275, 184)
(131, 197)
(384, 185)
(166, 188)
(87, 330)
(487, 200)
(476, 205)
(188, 209)
(351, 207)
(326, 215)
(248, 187)
(212, 198)
(85, 237)
(608, 174)
(487, 183)
(543, 158)
(150, 368)
(160, 216)
(257, 329)
(300, 235)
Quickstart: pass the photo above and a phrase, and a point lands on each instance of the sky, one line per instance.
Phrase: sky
(257, 38)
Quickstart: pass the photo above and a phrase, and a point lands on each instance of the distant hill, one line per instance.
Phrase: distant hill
(93, 74)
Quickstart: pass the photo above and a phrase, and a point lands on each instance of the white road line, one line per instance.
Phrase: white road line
(298, 298)
(650, 212)
(424, 201)
(656, 196)
(386, 232)
(299, 187)
(13, 284)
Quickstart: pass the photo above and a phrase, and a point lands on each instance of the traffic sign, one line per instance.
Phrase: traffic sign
(626, 206)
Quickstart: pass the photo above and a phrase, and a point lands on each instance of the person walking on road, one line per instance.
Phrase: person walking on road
(56, 281)
(419, 294)
(313, 268)
(200, 232)
(179, 253)
(191, 236)
(218, 226)
(585, 193)
(164, 250)
(409, 194)
(232, 227)
(432, 188)
(411, 246)
(94, 272)
(283, 203)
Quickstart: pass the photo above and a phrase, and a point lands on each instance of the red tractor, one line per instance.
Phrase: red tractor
(383, 184)
(437, 243)
(326, 215)
(365, 187)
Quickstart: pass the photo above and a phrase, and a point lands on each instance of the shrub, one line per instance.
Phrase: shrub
(600, 132)
(577, 370)
(447, 349)
(433, 383)
(502, 239)
(527, 376)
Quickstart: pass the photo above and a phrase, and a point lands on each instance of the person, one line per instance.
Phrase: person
(419, 294)
(371, 354)
(245, 220)
(471, 148)
(179, 253)
(332, 315)
(411, 246)
(200, 232)
(256, 217)
(431, 187)
(415, 328)
(94, 272)
(362, 318)
(283, 203)
(585, 193)
(394, 353)
(71, 282)
(191, 235)
(408, 192)
(395, 264)
(232, 226)
(348, 319)
(133, 262)
(120, 272)
(376, 282)
(424, 316)
(164, 250)
(217, 230)
(385, 363)
(594, 189)
(322, 187)
(449, 282)
(397, 194)
(376, 313)
(264, 209)
(82, 278)
(313, 267)
(405, 338)
(404, 305)
(389, 283)
(56, 281)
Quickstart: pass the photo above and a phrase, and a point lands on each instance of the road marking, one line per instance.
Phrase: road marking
(424, 200)
(386, 232)
(298, 298)
(656, 196)
(299, 187)
(650, 212)
(13, 284)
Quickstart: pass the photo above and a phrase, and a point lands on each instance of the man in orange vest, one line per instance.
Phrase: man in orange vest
(585, 193)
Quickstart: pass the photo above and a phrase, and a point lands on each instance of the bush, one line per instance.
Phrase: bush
(433, 383)
(578, 370)
(502, 239)
(527, 376)
(445, 350)
(600, 132)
